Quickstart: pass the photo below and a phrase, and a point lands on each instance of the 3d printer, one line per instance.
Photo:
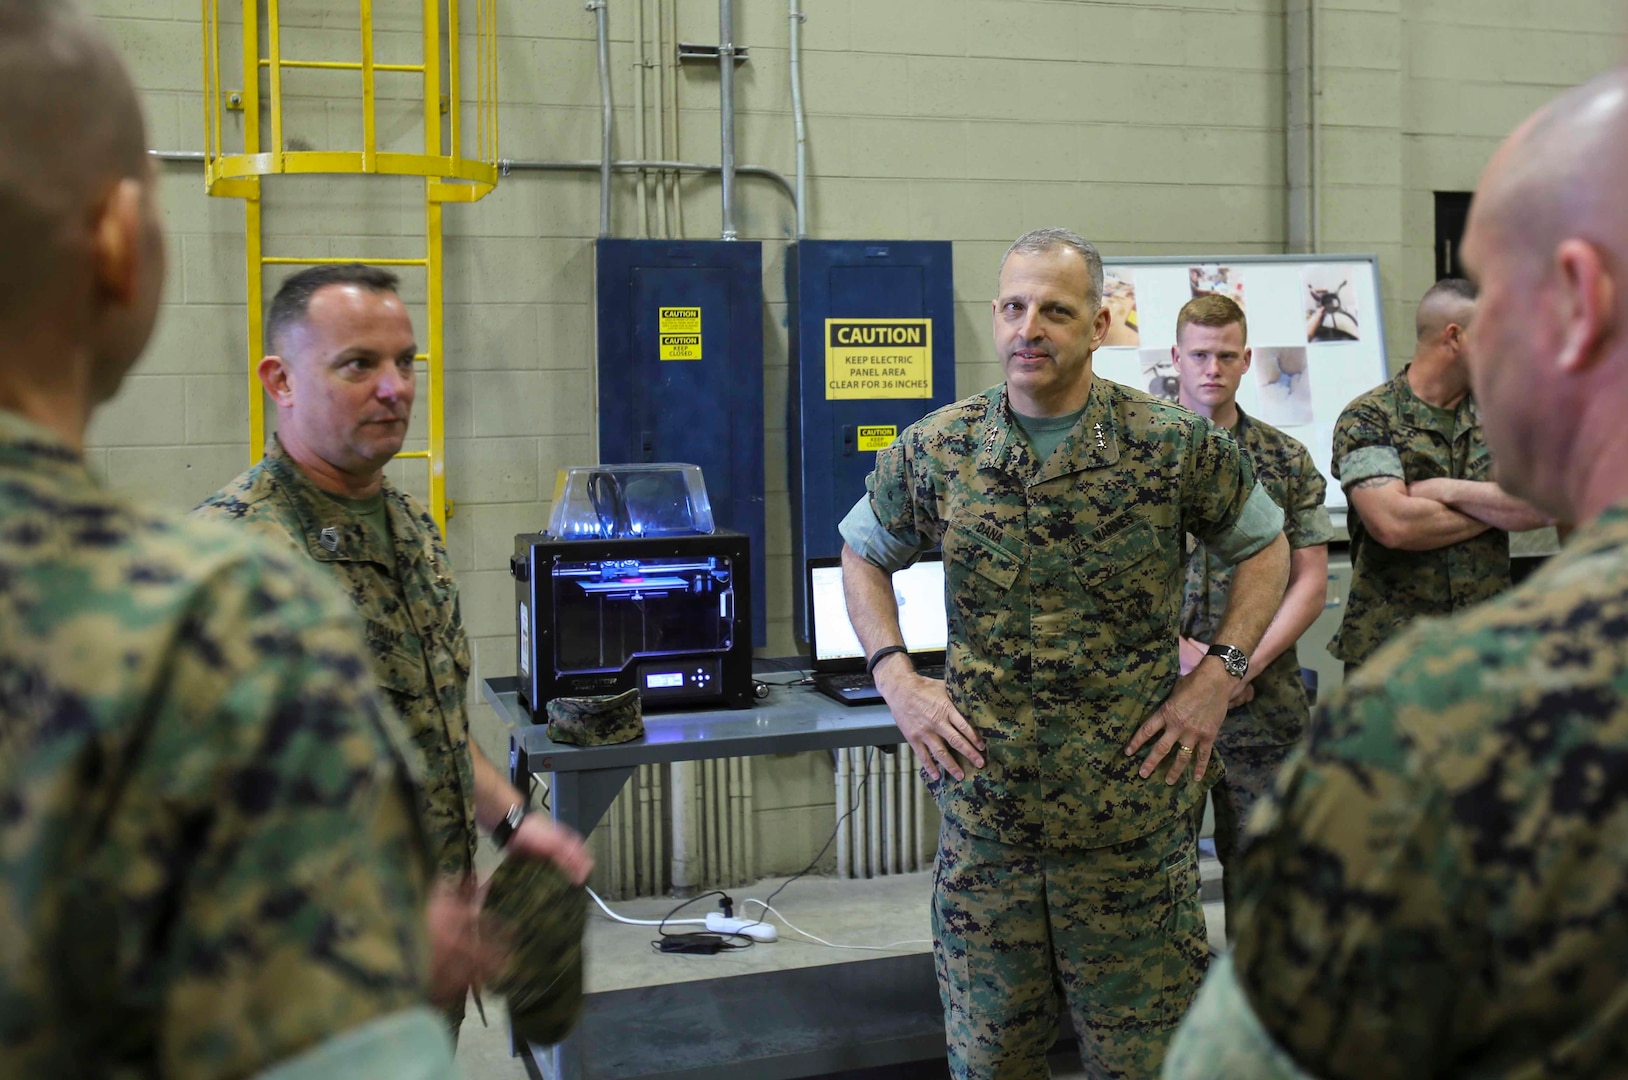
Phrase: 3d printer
(633, 587)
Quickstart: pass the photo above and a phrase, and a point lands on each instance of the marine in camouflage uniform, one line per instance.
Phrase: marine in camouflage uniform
(210, 853)
(1259, 734)
(409, 606)
(1391, 433)
(1064, 585)
(1439, 890)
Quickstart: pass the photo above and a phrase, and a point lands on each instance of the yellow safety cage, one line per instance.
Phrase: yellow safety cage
(450, 175)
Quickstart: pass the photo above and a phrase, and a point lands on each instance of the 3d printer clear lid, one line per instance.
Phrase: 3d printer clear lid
(618, 502)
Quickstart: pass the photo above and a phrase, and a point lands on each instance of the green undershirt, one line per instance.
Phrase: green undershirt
(371, 511)
(1046, 433)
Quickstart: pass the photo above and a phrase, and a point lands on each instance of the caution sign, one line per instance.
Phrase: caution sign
(878, 358)
(877, 436)
(680, 332)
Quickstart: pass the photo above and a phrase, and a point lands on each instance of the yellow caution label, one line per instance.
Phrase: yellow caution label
(878, 358)
(877, 436)
(679, 329)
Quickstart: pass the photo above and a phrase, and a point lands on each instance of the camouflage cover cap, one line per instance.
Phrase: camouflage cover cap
(596, 721)
(541, 915)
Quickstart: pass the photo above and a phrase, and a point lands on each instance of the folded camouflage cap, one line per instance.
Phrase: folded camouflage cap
(596, 721)
(535, 909)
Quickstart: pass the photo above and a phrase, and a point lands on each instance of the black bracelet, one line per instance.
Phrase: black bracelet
(881, 654)
(505, 830)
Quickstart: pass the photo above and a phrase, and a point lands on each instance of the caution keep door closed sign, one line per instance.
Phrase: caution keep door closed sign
(878, 358)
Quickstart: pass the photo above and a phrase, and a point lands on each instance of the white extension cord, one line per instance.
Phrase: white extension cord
(889, 947)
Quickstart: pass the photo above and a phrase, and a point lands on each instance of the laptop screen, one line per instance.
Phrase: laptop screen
(919, 590)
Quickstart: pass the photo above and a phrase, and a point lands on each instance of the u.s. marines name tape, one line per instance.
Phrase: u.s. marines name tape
(679, 330)
(878, 358)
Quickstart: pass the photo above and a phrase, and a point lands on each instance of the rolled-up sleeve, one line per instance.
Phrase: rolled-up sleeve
(861, 531)
(1362, 446)
(1222, 1039)
(1306, 522)
(1257, 526)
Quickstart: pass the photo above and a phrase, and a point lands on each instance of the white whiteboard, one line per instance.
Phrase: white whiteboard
(1294, 383)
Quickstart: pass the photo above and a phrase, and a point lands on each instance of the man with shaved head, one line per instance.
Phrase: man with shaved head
(342, 373)
(1429, 527)
(211, 862)
(1441, 888)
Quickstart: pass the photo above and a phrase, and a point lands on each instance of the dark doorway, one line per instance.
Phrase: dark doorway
(1452, 209)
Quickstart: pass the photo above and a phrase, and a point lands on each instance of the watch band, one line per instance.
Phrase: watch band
(1234, 659)
(504, 831)
(881, 654)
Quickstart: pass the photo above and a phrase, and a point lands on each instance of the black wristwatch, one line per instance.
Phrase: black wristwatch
(1234, 660)
(505, 829)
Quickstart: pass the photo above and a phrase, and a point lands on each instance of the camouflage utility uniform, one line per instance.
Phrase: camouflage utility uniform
(1257, 736)
(1057, 862)
(409, 603)
(210, 853)
(1391, 432)
(1442, 886)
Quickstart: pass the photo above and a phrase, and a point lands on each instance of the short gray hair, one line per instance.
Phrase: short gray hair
(1040, 241)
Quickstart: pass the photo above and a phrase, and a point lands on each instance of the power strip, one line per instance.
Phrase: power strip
(719, 923)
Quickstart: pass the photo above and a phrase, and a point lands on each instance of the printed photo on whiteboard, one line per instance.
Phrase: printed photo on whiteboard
(1159, 374)
(1331, 304)
(1214, 278)
(1119, 295)
(1285, 386)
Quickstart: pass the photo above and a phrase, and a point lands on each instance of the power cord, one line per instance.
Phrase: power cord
(709, 943)
(703, 943)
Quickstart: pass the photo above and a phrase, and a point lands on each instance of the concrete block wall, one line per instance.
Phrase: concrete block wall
(1151, 127)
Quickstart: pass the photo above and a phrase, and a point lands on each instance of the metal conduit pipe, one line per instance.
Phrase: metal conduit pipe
(638, 117)
(726, 110)
(799, 121)
(508, 165)
(845, 867)
(607, 113)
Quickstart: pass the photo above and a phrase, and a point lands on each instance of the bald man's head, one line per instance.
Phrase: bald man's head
(1561, 172)
(70, 129)
(1547, 243)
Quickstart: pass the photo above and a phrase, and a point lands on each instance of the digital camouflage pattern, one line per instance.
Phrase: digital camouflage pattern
(1258, 735)
(541, 917)
(1063, 583)
(409, 605)
(1121, 926)
(1391, 432)
(1277, 714)
(1442, 888)
(210, 851)
(596, 721)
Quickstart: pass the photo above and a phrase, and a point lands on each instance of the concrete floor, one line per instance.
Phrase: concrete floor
(874, 912)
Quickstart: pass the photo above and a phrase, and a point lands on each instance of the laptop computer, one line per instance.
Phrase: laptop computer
(839, 658)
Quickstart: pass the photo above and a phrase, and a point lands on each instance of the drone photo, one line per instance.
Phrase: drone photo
(1330, 304)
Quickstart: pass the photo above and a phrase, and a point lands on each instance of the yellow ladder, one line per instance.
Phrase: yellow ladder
(449, 175)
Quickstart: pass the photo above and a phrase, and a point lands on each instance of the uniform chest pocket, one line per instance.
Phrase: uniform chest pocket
(980, 572)
(1479, 465)
(1124, 578)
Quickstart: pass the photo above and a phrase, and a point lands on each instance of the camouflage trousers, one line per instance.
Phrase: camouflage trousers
(1249, 775)
(1119, 930)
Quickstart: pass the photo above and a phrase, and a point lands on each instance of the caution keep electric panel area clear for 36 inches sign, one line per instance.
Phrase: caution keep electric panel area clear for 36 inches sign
(878, 358)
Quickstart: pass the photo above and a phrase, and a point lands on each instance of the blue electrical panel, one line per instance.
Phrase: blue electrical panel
(872, 351)
(680, 331)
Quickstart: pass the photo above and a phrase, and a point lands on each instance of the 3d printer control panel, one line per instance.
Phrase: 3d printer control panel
(681, 679)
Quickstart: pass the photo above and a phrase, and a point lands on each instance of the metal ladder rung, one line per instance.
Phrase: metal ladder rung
(344, 65)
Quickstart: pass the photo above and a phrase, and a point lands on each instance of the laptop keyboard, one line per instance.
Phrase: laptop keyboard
(860, 680)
